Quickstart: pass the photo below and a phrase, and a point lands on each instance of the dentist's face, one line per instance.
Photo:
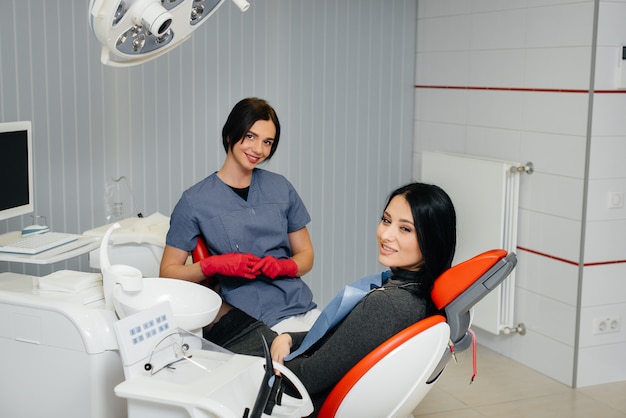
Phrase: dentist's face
(256, 144)
(397, 239)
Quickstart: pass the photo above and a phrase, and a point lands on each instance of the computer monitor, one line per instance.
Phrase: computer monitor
(16, 169)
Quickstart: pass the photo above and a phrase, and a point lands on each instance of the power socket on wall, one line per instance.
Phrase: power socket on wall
(606, 324)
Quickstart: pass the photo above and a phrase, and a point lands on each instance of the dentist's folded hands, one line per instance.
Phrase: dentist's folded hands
(231, 264)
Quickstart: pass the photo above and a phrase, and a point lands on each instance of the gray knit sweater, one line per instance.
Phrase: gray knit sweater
(378, 316)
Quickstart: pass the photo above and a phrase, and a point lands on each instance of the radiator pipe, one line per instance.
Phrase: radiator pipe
(529, 168)
(519, 329)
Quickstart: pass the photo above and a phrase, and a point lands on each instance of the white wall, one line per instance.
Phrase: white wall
(339, 73)
(603, 287)
(527, 81)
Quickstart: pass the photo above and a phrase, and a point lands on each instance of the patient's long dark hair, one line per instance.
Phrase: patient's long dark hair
(435, 225)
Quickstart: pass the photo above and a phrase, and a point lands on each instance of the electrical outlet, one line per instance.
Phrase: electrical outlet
(606, 324)
(615, 200)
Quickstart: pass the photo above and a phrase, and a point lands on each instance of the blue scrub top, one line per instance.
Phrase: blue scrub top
(259, 226)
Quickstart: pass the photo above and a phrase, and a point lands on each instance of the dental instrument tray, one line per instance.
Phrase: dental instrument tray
(168, 368)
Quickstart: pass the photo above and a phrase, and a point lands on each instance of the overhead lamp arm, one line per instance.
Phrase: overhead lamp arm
(135, 31)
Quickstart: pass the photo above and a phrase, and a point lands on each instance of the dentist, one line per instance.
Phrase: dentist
(254, 224)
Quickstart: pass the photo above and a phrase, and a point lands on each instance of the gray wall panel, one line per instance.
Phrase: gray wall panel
(339, 73)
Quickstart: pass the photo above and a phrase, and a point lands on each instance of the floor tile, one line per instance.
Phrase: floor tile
(503, 387)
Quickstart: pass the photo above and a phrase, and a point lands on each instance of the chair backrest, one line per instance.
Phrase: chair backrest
(459, 288)
(419, 353)
(201, 251)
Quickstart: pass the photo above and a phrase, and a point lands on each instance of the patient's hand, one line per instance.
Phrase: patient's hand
(281, 347)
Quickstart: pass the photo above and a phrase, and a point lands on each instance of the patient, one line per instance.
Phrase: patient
(416, 239)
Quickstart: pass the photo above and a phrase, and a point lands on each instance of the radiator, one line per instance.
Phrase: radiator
(485, 193)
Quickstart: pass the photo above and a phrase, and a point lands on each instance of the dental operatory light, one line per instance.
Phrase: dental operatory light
(135, 31)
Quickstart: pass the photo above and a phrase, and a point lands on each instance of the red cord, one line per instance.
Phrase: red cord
(473, 354)
(451, 347)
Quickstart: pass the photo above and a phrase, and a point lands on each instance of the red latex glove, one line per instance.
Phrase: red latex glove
(231, 264)
(273, 267)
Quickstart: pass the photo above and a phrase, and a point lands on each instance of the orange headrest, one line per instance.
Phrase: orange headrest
(458, 278)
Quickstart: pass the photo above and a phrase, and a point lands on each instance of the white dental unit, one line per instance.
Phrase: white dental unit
(56, 332)
(59, 351)
(172, 373)
(67, 354)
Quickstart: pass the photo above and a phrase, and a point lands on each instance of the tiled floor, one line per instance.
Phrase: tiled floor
(505, 388)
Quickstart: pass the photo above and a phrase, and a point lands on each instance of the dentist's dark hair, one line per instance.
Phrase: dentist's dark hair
(241, 118)
(434, 218)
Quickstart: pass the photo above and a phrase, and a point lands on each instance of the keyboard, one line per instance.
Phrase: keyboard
(37, 243)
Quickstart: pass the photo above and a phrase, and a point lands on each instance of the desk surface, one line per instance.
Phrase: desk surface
(82, 245)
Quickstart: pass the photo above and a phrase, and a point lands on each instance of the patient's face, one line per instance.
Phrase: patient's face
(256, 144)
(397, 240)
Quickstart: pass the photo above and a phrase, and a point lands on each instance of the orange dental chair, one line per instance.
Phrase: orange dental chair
(394, 378)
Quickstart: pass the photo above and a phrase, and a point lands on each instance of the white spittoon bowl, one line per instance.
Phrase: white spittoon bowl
(193, 305)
